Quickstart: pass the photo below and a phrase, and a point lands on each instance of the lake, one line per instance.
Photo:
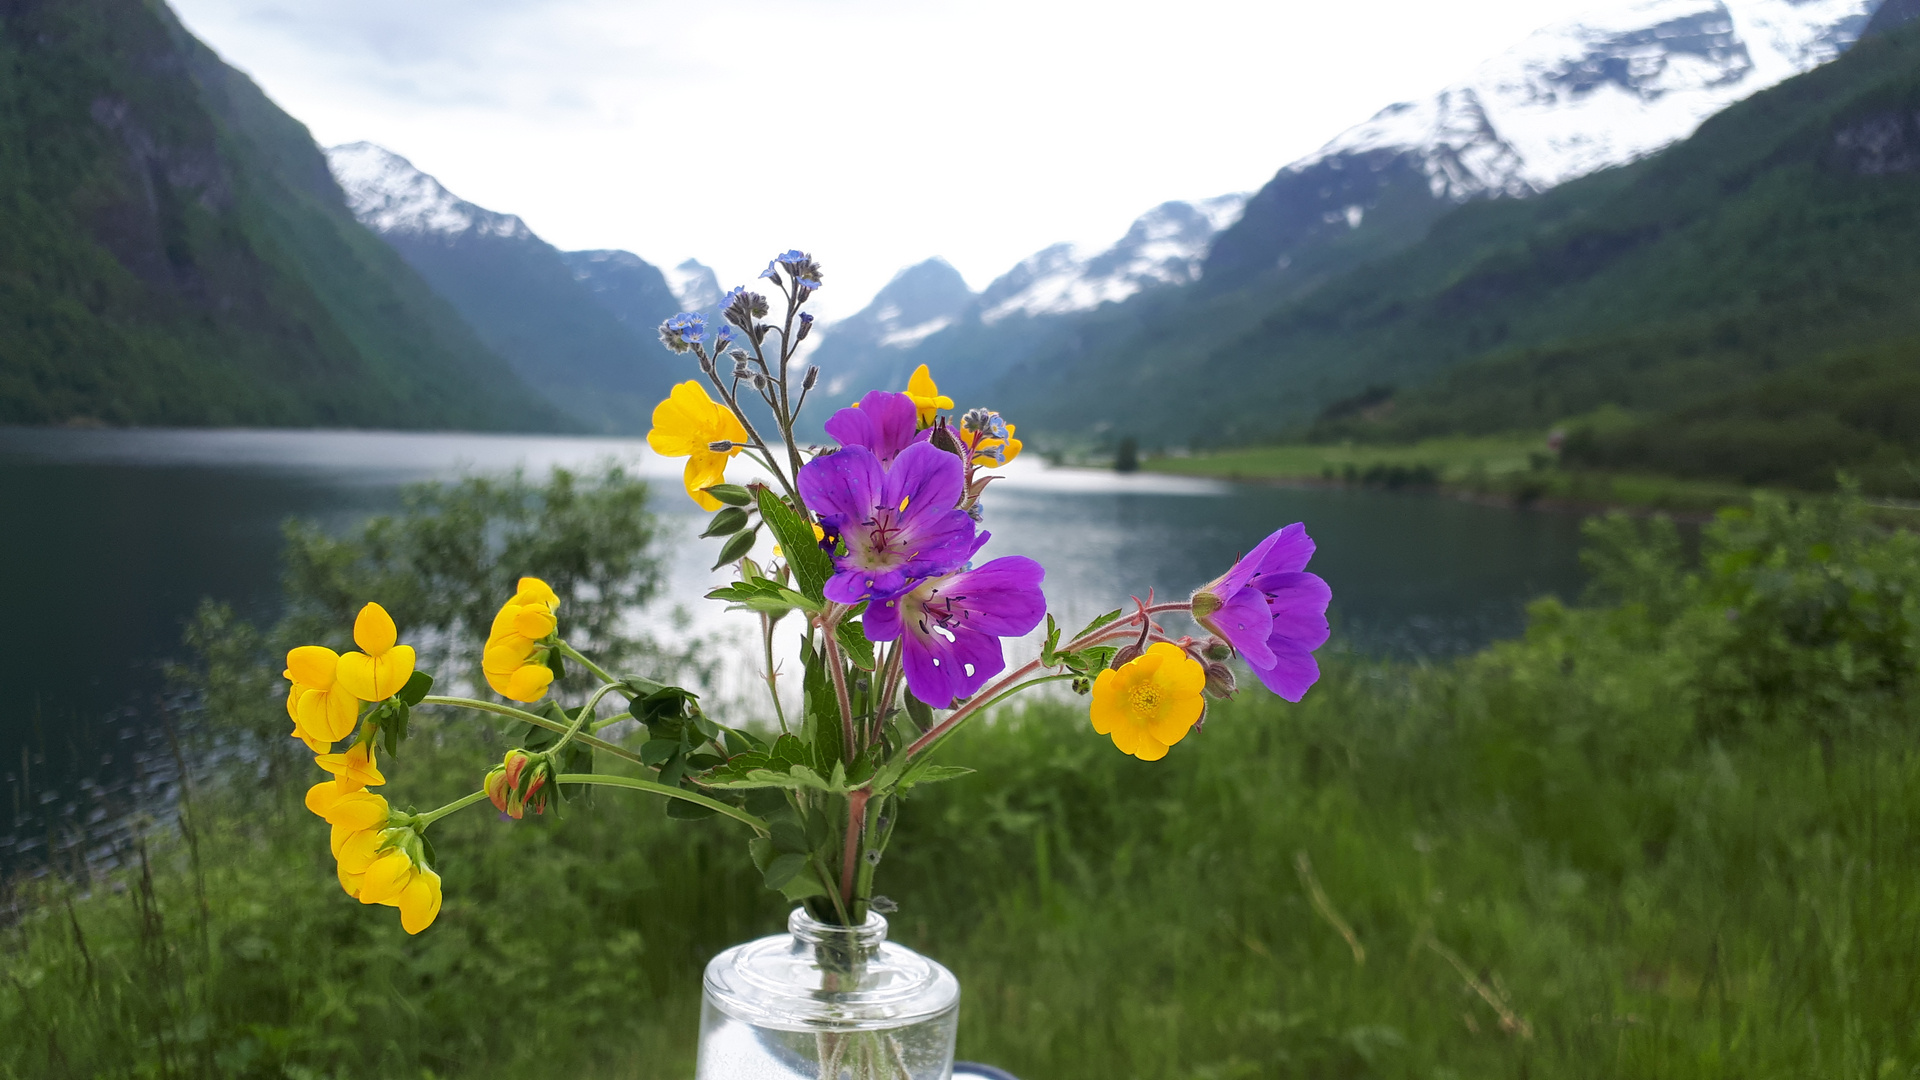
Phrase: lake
(113, 537)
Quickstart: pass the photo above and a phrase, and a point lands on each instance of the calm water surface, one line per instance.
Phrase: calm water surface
(112, 537)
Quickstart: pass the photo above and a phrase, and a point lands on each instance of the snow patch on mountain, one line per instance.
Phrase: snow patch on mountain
(695, 284)
(1164, 246)
(388, 195)
(1602, 90)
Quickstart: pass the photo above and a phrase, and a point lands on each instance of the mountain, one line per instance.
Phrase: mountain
(173, 250)
(695, 286)
(1686, 304)
(927, 314)
(579, 328)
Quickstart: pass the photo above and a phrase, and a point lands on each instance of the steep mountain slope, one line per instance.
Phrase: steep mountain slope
(173, 251)
(1779, 234)
(578, 330)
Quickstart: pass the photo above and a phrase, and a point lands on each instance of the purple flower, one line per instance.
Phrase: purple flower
(898, 525)
(1271, 611)
(883, 423)
(950, 627)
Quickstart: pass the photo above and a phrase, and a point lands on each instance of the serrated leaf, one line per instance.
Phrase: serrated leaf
(736, 548)
(730, 520)
(764, 594)
(931, 774)
(1097, 623)
(853, 641)
(1049, 648)
(794, 534)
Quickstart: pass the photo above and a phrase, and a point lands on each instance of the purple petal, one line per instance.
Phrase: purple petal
(939, 670)
(884, 423)
(882, 619)
(1286, 551)
(1290, 675)
(1002, 598)
(850, 585)
(843, 485)
(1245, 623)
(1298, 605)
(926, 478)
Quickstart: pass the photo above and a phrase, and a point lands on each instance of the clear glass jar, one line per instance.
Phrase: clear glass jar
(825, 1002)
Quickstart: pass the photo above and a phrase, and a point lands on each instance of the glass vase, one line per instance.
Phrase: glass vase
(826, 1002)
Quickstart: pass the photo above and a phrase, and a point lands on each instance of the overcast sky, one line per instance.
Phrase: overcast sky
(873, 133)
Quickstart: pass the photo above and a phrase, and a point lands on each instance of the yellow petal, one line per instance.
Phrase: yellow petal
(358, 810)
(505, 655)
(529, 683)
(1147, 748)
(359, 851)
(921, 383)
(387, 876)
(534, 621)
(312, 665)
(420, 902)
(391, 670)
(532, 589)
(350, 882)
(373, 630)
(355, 769)
(356, 676)
(683, 423)
(504, 618)
(704, 469)
(1108, 710)
(324, 796)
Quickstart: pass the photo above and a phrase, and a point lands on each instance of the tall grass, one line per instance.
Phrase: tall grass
(1668, 835)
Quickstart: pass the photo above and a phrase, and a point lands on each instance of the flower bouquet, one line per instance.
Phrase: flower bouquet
(902, 637)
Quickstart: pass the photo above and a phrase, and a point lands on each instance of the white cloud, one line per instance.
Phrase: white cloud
(873, 133)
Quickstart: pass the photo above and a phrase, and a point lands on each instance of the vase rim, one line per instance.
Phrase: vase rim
(870, 934)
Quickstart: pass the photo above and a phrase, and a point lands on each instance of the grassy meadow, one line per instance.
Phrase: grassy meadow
(1669, 833)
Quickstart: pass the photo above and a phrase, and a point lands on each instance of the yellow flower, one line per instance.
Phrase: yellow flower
(322, 712)
(981, 445)
(1150, 702)
(353, 809)
(686, 425)
(382, 668)
(926, 395)
(515, 658)
(354, 770)
(375, 868)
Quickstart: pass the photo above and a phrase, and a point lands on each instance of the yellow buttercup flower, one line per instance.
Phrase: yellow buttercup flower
(378, 671)
(323, 712)
(354, 770)
(926, 395)
(1151, 702)
(686, 425)
(515, 658)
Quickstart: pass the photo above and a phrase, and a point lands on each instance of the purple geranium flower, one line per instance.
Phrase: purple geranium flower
(1271, 611)
(883, 423)
(950, 627)
(899, 525)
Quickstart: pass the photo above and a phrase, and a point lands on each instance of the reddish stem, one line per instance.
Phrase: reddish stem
(850, 858)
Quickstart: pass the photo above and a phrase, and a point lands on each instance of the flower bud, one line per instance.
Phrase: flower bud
(1126, 654)
(1220, 680)
(721, 446)
(806, 326)
(1215, 649)
(944, 438)
(813, 378)
(742, 369)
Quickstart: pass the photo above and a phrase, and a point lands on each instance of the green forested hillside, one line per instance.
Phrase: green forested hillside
(173, 250)
(1781, 235)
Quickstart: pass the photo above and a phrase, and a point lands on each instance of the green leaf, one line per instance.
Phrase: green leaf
(731, 494)
(804, 886)
(728, 521)
(1097, 624)
(920, 711)
(931, 774)
(736, 548)
(657, 751)
(418, 685)
(853, 639)
(794, 534)
(1049, 655)
(783, 869)
(764, 594)
(789, 837)
(682, 810)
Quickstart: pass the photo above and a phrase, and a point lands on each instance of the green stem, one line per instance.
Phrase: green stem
(573, 654)
(586, 713)
(532, 718)
(773, 678)
(421, 821)
(635, 783)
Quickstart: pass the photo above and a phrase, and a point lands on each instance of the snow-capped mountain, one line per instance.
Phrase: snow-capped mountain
(695, 284)
(390, 196)
(576, 326)
(1165, 246)
(1574, 98)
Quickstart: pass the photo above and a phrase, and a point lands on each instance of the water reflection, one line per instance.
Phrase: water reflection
(114, 536)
